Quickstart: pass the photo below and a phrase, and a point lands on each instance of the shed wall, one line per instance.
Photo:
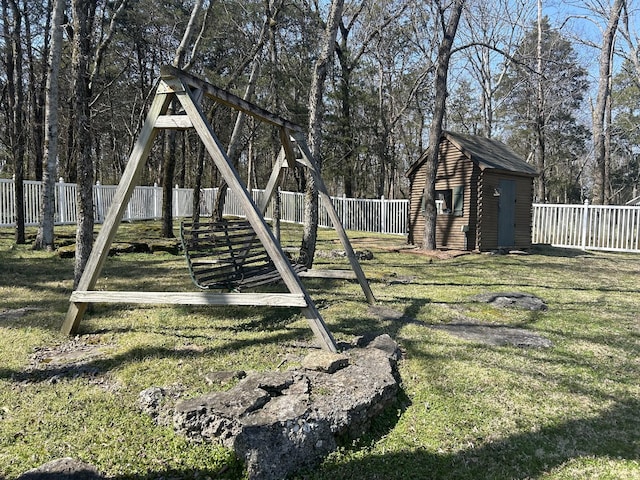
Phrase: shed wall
(454, 170)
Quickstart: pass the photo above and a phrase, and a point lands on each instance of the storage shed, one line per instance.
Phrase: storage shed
(484, 193)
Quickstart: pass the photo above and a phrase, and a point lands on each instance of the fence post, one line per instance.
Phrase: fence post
(585, 226)
(155, 200)
(174, 200)
(61, 201)
(383, 215)
(98, 197)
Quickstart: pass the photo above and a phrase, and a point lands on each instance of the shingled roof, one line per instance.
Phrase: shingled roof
(487, 153)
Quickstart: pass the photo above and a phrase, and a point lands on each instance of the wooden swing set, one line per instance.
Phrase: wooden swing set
(231, 262)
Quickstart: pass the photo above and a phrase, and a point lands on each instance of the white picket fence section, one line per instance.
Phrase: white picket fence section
(377, 215)
(588, 227)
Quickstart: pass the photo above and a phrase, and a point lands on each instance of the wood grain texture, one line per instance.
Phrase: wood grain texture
(190, 298)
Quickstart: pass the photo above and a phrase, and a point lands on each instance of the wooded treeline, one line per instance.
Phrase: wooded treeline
(517, 72)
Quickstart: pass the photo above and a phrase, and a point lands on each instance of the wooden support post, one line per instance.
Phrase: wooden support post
(118, 205)
(274, 181)
(218, 155)
(308, 161)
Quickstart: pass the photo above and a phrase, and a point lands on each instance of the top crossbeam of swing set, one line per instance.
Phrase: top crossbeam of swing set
(188, 90)
(227, 98)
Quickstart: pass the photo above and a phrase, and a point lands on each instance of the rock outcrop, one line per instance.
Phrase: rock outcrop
(280, 422)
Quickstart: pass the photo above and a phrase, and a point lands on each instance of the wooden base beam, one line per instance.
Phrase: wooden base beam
(190, 298)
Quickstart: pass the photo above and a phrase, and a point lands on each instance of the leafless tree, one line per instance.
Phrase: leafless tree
(45, 236)
(314, 135)
(13, 21)
(603, 103)
(169, 167)
(449, 28)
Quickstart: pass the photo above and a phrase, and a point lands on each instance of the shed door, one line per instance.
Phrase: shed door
(507, 213)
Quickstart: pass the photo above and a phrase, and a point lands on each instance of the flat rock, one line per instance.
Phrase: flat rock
(12, 314)
(324, 361)
(63, 469)
(359, 254)
(165, 246)
(512, 300)
(498, 335)
(118, 248)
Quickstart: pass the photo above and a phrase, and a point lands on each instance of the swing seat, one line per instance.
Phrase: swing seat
(227, 255)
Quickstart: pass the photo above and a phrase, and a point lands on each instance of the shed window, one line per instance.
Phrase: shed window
(444, 200)
(450, 201)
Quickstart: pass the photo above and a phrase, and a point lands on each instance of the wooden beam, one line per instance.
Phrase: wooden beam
(308, 161)
(191, 298)
(116, 210)
(274, 182)
(226, 98)
(173, 121)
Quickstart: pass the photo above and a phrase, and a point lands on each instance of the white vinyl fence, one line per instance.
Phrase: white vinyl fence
(589, 227)
(377, 215)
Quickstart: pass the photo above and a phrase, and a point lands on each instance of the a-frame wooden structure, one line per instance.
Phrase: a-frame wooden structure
(176, 85)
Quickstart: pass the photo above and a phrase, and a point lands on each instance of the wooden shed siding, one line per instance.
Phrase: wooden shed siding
(416, 219)
(453, 171)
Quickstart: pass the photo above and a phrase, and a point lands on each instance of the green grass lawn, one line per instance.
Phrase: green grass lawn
(472, 411)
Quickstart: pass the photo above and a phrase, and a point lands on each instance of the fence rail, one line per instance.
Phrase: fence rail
(589, 227)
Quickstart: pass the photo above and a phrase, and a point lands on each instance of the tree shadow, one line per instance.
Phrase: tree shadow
(94, 367)
(614, 433)
(550, 251)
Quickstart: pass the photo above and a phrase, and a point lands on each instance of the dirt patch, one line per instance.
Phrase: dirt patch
(15, 313)
(437, 254)
(78, 357)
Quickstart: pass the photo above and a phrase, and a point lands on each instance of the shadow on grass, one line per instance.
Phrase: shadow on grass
(550, 251)
(614, 434)
(100, 366)
(49, 280)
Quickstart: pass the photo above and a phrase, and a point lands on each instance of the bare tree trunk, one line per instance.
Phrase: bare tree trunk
(170, 147)
(599, 112)
(233, 149)
(608, 195)
(36, 94)
(316, 93)
(82, 17)
(197, 187)
(435, 131)
(45, 237)
(540, 119)
(15, 97)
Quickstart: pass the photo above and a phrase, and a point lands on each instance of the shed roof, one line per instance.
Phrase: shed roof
(487, 153)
